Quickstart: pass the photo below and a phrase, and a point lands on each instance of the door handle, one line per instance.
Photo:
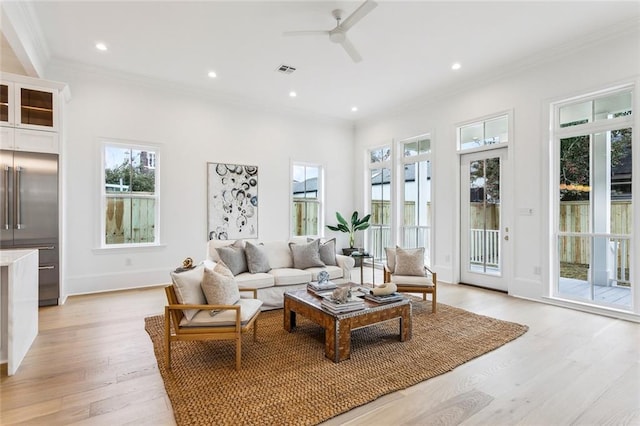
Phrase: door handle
(18, 202)
(46, 267)
(7, 170)
(506, 238)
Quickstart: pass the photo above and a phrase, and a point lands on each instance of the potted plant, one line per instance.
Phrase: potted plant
(357, 224)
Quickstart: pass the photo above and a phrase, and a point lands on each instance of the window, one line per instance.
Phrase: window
(593, 197)
(416, 208)
(492, 131)
(380, 198)
(130, 201)
(306, 193)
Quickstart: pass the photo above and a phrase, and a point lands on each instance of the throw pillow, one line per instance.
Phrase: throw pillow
(409, 262)
(306, 255)
(391, 258)
(187, 287)
(233, 256)
(327, 251)
(219, 286)
(257, 259)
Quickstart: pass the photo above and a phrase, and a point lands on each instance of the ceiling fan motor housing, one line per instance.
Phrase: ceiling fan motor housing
(337, 35)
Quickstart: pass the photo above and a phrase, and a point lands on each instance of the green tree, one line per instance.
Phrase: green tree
(138, 177)
(575, 161)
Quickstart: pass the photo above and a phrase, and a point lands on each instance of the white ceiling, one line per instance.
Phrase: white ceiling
(407, 47)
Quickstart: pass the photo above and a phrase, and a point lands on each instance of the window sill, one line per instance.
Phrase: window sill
(127, 248)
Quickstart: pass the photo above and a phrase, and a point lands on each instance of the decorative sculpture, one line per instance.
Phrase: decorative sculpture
(341, 294)
(386, 288)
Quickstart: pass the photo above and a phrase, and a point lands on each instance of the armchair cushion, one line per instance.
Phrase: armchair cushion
(248, 308)
(412, 280)
(391, 258)
(257, 259)
(409, 262)
(188, 290)
(219, 286)
(306, 255)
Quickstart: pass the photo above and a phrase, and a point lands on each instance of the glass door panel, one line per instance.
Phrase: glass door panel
(482, 231)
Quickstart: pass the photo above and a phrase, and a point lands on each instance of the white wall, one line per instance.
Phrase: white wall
(528, 93)
(191, 130)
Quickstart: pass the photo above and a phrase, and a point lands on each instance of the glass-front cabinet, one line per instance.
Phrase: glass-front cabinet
(28, 107)
(6, 103)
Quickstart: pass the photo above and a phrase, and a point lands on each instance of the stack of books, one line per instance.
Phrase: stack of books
(318, 288)
(385, 298)
(353, 304)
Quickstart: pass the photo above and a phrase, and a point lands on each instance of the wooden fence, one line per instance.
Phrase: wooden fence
(574, 218)
(130, 220)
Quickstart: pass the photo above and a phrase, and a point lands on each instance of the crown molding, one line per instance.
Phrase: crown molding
(22, 30)
(625, 28)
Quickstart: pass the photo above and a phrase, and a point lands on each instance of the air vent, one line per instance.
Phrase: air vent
(286, 69)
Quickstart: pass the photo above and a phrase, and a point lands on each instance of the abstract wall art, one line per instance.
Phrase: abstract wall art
(232, 201)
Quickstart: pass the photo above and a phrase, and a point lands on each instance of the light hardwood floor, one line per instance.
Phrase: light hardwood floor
(92, 363)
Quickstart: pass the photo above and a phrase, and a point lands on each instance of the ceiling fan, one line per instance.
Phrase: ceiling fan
(339, 33)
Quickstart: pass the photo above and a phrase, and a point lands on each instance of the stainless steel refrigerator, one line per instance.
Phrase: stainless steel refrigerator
(29, 213)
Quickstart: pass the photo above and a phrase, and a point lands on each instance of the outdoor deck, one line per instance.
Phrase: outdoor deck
(612, 295)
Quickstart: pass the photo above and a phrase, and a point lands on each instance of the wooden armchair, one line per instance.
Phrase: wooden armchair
(227, 324)
(414, 284)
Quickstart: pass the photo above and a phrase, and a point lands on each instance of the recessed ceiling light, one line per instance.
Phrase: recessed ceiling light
(212, 74)
(101, 46)
(456, 66)
(293, 94)
(354, 109)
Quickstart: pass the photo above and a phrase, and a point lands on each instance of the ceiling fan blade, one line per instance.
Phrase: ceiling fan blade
(351, 50)
(358, 14)
(303, 33)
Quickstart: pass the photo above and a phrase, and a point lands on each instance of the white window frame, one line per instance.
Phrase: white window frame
(402, 162)
(484, 120)
(385, 164)
(320, 198)
(590, 128)
(107, 142)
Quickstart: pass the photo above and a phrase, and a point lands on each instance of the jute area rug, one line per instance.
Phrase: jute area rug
(286, 380)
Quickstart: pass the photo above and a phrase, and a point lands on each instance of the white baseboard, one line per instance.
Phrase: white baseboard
(99, 283)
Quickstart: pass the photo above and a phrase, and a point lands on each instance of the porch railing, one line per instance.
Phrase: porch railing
(484, 247)
(413, 236)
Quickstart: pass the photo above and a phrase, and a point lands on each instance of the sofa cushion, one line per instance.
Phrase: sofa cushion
(257, 259)
(335, 272)
(327, 251)
(409, 261)
(233, 256)
(290, 276)
(248, 308)
(306, 255)
(259, 280)
(188, 290)
(219, 286)
(279, 254)
(213, 245)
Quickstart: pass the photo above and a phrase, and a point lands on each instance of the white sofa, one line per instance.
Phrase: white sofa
(282, 276)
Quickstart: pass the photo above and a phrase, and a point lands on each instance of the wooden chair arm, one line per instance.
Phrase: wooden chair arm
(386, 274)
(203, 307)
(434, 277)
(253, 290)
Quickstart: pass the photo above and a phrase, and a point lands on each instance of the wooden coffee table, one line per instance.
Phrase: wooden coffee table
(338, 327)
